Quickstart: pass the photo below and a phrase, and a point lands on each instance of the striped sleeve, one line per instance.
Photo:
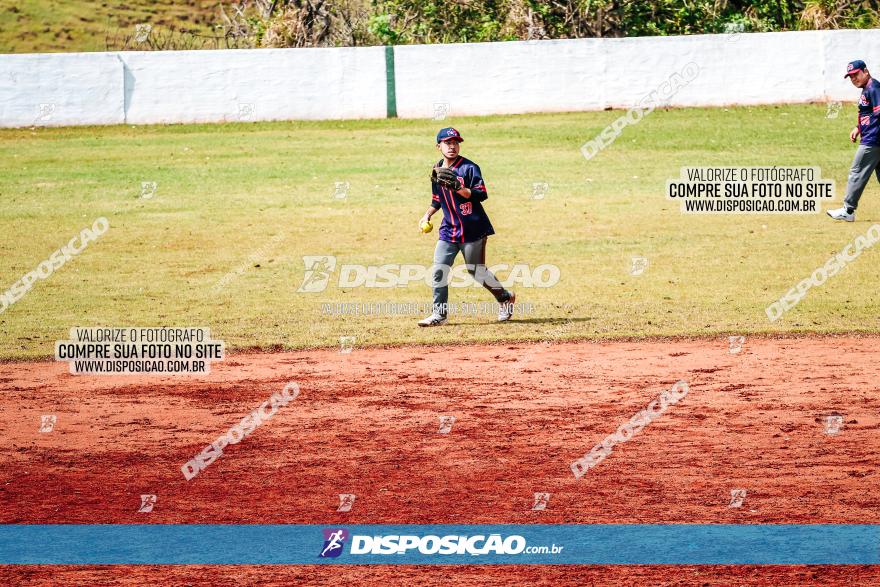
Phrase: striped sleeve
(873, 95)
(474, 180)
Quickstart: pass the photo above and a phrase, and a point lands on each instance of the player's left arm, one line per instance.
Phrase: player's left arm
(872, 95)
(473, 184)
(874, 99)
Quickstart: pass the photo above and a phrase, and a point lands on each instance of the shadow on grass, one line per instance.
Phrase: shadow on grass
(550, 321)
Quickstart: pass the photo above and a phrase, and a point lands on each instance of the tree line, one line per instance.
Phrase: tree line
(333, 23)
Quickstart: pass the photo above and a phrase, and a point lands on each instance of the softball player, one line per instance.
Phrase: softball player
(867, 156)
(458, 189)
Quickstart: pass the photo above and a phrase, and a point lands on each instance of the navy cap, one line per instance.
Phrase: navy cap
(447, 134)
(855, 67)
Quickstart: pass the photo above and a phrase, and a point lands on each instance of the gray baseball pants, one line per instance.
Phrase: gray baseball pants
(474, 254)
(864, 163)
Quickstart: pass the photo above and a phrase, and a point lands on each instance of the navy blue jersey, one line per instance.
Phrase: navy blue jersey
(464, 219)
(869, 114)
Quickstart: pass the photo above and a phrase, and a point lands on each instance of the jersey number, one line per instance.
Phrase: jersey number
(466, 208)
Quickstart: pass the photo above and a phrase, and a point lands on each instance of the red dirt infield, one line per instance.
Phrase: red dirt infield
(367, 423)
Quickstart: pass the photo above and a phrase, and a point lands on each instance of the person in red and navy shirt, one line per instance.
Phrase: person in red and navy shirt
(465, 228)
(867, 158)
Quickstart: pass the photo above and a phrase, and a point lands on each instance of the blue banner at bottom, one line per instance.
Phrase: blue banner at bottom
(532, 544)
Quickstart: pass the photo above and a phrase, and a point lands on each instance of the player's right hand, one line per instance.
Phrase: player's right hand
(854, 135)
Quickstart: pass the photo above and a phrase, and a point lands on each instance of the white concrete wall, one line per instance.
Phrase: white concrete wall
(61, 89)
(256, 84)
(546, 76)
(56, 89)
(500, 78)
(841, 47)
(486, 78)
(732, 69)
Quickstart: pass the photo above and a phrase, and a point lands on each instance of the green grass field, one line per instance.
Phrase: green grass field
(40, 26)
(224, 192)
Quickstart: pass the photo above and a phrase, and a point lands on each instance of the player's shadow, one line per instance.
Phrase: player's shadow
(549, 321)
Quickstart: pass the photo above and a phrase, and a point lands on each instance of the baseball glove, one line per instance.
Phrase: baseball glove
(446, 177)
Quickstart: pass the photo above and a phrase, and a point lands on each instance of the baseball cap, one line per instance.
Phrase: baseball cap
(447, 134)
(854, 67)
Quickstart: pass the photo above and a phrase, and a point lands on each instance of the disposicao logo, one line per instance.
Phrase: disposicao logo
(481, 544)
(334, 540)
(472, 545)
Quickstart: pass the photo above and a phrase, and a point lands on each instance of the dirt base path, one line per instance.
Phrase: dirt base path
(367, 424)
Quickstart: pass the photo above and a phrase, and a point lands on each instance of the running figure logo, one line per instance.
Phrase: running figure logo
(833, 424)
(346, 500)
(47, 422)
(736, 344)
(318, 270)
(541, 501)
(148, 502)
(334, 539)
(638, 265)
(737, 497)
